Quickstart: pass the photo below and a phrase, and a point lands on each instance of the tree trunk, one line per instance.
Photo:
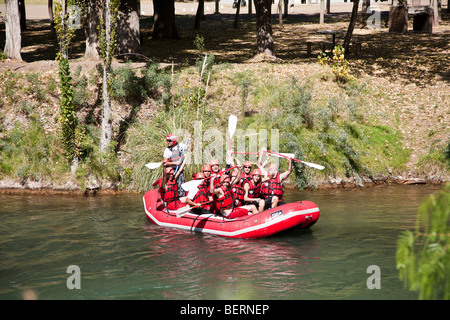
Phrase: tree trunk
(128, 31)
(23, 16)
(280, 14)
(216, 11)
(164, 26)
(13, 36)
(236, 16)
(90, 29)
(50, 14)
(351, 26)
(398, 19)
(264, 39)
(322, 12)
(364, 6)
(363, 15)
(106, 134)
(200, 14)
(436, 16)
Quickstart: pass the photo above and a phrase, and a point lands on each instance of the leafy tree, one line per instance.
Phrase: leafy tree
(72, 134)
(423, 256)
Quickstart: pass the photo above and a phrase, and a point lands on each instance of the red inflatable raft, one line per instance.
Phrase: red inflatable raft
(300, 214)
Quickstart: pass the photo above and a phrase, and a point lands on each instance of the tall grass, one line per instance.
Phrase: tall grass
(335, 134)
(31, 153)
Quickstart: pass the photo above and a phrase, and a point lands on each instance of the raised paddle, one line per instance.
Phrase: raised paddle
(154, 165)
(313, 165)
(232, 122)
(282, 155)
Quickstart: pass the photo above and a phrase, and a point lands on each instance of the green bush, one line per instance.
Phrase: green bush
(423, 255)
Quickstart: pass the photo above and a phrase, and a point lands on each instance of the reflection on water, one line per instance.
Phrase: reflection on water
(123, 256)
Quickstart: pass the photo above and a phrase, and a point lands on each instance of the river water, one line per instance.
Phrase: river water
(121, 255)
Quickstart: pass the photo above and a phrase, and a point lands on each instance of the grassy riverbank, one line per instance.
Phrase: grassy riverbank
(372, 129)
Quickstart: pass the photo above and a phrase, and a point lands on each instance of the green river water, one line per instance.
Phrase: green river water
(121, 255)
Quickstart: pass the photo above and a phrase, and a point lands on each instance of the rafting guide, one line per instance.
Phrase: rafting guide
(175, 151)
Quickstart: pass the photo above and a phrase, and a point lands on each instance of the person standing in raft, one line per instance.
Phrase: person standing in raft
(252, 191)
(272, 183)
(168, 189)
(175, 150)
(224, 201)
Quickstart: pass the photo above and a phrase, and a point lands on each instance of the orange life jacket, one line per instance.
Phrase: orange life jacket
(272, 187)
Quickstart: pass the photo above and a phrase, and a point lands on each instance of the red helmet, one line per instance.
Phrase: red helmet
(169, 170)
(172, 138)
(248, 164)
(256, 171)
(198, 175)
(206, 167)
(213, 162)
(225, 178)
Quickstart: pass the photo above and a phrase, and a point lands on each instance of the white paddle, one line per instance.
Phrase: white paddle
(232, 122)
(312, 165)
(284, 155)
(183, 211)
(154, 165)
(191, 185)
(186, 209)
(281, 155)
